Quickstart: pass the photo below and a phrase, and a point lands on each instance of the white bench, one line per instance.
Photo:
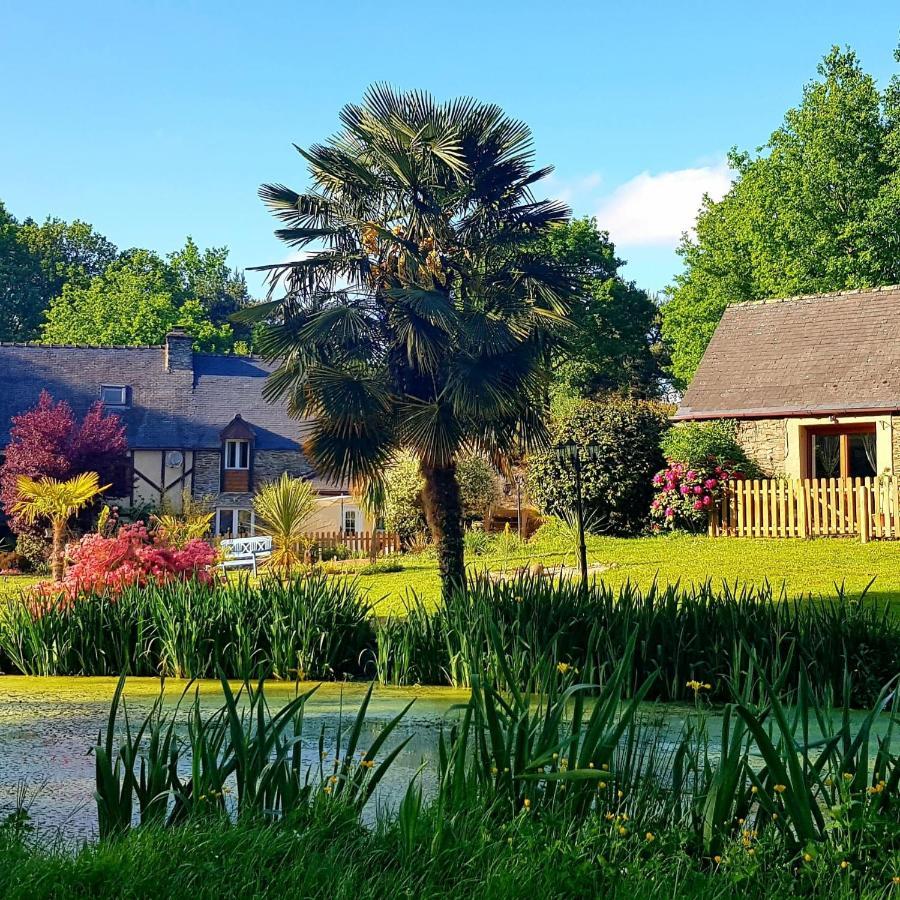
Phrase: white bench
(239, 553)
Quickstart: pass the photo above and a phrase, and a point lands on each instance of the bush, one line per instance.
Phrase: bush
(685, 496)
(708, 444)
(478, 486)
(476, 542)
(131, 556)
(34, 552)
(616, 484)
(403, 505)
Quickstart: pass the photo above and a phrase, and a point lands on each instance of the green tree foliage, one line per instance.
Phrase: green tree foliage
(62, 282)
(698, 444)
(403, 512)
(816, 209)
(137, 299)
(615, 342)
(428, 319)
(479, 486)
(616, 476)
(22, 298)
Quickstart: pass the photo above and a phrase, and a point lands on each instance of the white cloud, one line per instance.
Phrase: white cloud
(653, 210)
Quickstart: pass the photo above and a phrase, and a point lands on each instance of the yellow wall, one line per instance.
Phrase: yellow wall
(795, 442)
(329, 515)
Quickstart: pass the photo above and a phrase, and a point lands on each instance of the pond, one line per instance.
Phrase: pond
(49, 725)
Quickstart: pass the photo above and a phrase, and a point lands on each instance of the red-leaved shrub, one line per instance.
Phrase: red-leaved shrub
(130, 556)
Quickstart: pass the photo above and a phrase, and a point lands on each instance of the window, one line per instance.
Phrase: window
(235, 523)
(349, 521)
(237, 454)
(842, 452)
(114, 394)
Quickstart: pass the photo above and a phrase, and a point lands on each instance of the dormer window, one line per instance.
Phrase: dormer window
(114, 394)
(237, 454)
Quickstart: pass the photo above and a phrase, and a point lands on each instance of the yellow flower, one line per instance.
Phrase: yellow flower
(896, 879)
(601, 785)
(620, 794)
(845, 864)
(717, 859)
(751, 852)
(327, 789)
(707, 686)
(754, 789)
(774, 816)
(623, 830)
(847, 776)
(807, 857)
(590, 765)
(605, 767)
(780, 788)
(333, 779)
(562, 668)
(609, 817)
(650, 836)
(527, 803)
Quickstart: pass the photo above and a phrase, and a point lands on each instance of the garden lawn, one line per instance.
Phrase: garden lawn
(804, 568)
(12, 584)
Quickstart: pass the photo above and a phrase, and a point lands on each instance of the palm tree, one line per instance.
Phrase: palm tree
(57, 501)
(423, 316)
(282, 509)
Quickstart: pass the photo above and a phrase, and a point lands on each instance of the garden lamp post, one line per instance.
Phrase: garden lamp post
(570, 452)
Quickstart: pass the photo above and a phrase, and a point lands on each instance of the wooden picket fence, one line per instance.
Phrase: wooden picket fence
(361, 542)
(810, 507)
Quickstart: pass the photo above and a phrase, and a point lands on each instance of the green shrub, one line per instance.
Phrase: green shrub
(699, 444)
(477, 542)
(616, 477)
(34, 552)
(478, 486)
(403, 512)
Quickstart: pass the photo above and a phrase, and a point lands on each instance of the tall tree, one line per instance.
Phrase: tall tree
(22, 296)
(816, 209)
(615, 343)
(426, 319)
(136, 300)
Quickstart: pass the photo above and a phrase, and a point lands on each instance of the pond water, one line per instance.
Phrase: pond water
(49, 725)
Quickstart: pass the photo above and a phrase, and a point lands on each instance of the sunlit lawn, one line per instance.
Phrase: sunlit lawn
(802, 567)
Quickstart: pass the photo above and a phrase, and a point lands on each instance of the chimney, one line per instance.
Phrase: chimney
(179, 351)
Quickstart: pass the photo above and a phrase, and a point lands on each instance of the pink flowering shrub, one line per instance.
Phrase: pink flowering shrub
(130, 555)
(684, 495)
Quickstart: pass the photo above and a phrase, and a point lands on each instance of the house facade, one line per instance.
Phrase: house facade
(196, 424)
(812, 382)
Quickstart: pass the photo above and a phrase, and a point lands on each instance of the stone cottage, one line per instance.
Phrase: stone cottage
(812, 382)
(195, 423)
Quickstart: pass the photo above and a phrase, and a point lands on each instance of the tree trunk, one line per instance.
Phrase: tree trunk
(57, 556)
(443, 510)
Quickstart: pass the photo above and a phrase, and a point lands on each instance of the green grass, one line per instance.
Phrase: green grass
(803, 567)
(12, 584)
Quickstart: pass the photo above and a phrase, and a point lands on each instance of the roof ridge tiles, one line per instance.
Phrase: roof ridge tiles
(828, 295)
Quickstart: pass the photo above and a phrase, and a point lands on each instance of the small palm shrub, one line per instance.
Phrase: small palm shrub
(283, 508)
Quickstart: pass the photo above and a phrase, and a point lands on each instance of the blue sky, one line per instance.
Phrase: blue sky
(156, 120)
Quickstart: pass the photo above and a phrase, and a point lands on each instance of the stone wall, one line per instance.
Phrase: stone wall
(764, 441)
(267, 466)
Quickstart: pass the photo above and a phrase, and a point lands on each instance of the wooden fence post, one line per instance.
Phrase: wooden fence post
(862, 498)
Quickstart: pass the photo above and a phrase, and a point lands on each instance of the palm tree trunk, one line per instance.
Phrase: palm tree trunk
(443, 511)
(57, 558)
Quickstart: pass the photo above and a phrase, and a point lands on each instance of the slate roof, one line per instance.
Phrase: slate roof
(823, 354)
(168, 410)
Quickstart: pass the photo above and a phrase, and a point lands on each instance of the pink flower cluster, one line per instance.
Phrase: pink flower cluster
(130, 556)
(685, 495)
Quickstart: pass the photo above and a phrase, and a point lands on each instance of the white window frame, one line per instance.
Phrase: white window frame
(234, 512)
(348, 513)
(237, 449)
(122, 397)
